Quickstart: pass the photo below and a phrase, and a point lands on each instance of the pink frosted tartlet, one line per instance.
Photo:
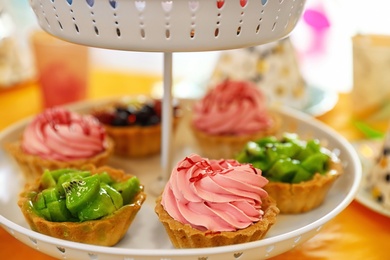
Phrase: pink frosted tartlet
(229, 197)
(230, 115)
(58, 138)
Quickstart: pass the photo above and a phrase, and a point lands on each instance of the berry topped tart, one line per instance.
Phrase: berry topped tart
(134, 123)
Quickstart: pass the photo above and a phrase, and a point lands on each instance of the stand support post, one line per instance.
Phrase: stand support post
(167, 114)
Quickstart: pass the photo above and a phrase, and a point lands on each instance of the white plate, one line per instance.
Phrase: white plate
(320, 101)
(146, 238)
(368, 152)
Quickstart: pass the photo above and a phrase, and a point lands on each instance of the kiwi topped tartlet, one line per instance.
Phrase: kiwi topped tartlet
(300, 172)
(92, 206)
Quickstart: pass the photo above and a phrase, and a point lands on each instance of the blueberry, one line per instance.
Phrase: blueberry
(149, 109)
(120, 118)
(144, 114)
(153, 120)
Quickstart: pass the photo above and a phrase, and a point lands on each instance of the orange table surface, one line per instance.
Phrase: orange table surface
(356, 233)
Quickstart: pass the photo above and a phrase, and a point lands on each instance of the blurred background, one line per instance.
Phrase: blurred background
(336, 61)
(322, 44)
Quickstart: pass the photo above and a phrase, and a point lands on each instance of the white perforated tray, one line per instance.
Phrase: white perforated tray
(168, 25)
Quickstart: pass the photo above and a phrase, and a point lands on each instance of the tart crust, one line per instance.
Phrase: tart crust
(106, 231)
(227, 146)
(305, 196)
(33, 166)
(137, 141)
(185, 236)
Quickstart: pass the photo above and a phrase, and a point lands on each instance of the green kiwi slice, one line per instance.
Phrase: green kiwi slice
(58, 173)
(74, 195)
(50, 194)
(80, 192)
(301, 175)
(58, 211)
(106, 178)
(316, 163)
(45, 213)
(288, 160)
(101, 206)
(39, 201)
(128, 189)
(66, 176)
(47, 180)
(116, 197)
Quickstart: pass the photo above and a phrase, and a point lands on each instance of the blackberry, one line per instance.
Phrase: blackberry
(142, 114)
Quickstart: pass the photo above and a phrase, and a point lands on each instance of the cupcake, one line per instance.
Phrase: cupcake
(91, 205)
(58, 138)
(228, 195)
(230, 115)
(300, 173)
(378, 178)
(134, 124)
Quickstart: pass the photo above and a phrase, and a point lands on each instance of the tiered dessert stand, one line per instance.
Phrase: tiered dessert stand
(169, 26)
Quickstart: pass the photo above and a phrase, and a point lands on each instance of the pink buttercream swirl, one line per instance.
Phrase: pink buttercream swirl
(58, 134)
(214, 195)
(232, 108)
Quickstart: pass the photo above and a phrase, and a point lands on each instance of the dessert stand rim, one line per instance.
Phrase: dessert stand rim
(15, 228)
